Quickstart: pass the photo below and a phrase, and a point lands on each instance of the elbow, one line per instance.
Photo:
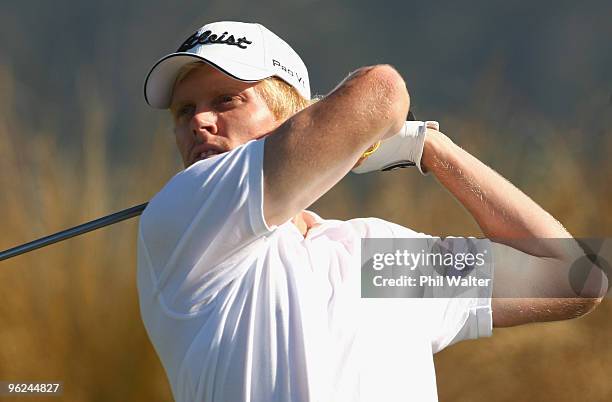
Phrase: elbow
(389, 98)
(394, 96)
(576, 308)
(588, 293)
(587, 306)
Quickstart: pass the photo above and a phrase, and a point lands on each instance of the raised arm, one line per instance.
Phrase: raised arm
(509, 217)
(312, 151)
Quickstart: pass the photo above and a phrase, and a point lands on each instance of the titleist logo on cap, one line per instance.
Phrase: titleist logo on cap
(209, 37)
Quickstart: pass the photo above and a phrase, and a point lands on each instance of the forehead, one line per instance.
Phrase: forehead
(204, 80)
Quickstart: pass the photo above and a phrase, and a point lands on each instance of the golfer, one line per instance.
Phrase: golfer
(248, 296)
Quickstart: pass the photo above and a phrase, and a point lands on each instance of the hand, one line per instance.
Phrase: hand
(403, 149)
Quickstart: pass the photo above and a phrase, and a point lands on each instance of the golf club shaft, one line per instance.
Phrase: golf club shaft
(75, 231)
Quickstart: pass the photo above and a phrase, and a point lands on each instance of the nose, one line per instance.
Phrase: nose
(203, 123)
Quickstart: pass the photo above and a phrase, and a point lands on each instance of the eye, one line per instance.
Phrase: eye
(184, 111)
(227, 101)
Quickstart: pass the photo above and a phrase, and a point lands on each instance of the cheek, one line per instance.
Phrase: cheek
(181, 137)
(236, 127)
(263, 119)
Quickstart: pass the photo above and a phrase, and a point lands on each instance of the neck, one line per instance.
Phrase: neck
(303, 222)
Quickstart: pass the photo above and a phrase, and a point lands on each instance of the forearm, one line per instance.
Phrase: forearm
(503, 212)
(536, 280)
(314, 149)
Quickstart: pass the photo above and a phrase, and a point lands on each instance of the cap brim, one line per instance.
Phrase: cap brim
(160, 80)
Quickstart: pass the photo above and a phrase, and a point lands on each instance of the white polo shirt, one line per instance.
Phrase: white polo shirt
(242, 312)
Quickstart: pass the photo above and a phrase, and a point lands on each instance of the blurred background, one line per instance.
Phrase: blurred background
(525, 86)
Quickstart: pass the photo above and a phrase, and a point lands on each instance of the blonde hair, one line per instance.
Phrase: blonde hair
(282, 99)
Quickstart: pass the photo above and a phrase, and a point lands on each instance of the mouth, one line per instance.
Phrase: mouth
(204, 152)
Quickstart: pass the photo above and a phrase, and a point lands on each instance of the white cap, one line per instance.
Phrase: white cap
(244, 51)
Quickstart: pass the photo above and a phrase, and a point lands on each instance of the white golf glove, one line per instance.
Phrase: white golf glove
(402, 150)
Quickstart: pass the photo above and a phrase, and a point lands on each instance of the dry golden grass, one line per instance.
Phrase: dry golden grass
(69, 312)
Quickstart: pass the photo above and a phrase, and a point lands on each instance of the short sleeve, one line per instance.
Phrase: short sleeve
(462, 315)
(205, 216)
(477, 323)
(449, 313)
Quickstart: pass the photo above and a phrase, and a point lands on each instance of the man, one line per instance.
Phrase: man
(247, 296)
